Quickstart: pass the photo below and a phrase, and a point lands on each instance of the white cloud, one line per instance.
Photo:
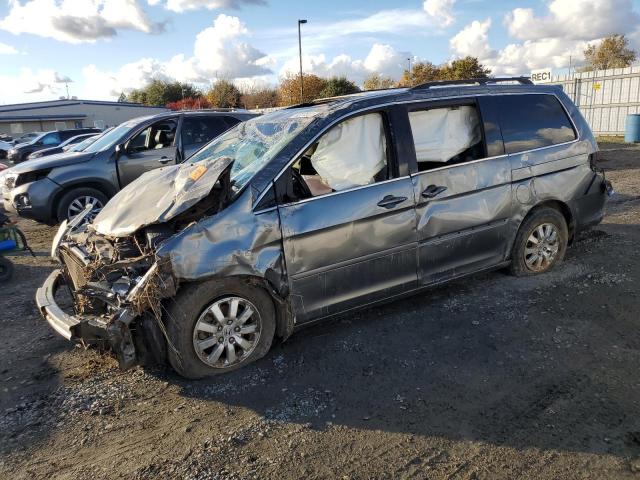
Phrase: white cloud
(76, 21)
(553, 40)
(440, 10)
(573, 19)
(41, 83)
(7, 49)
(382, 59)
(184, 5)
(472, 40)
(220, 51)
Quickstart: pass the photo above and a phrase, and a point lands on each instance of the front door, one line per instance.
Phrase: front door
(349, 238)
(152, 147)
(462, 189)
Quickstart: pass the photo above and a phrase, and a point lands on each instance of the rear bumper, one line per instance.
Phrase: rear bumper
(590, 208)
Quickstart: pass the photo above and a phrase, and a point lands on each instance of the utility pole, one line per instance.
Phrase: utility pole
(409, 60)
(66, 85)
(300, 22)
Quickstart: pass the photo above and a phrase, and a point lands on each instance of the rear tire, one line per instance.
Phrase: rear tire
(74, 199)
(6, 269)
(202, 315)
(541, 243)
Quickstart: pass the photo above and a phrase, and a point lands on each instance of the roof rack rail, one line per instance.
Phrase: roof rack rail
(471, 81)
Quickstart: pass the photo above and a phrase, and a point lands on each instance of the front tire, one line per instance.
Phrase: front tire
(73, 202)
(218, 326)
(540, 244)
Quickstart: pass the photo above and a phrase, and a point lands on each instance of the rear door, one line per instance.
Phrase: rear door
(462, 188)
(151, 147)
(353, 240)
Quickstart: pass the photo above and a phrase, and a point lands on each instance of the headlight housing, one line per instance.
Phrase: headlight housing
(10, 180)
(28, 177)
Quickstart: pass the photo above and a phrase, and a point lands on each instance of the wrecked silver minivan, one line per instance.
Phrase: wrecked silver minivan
(317, 209)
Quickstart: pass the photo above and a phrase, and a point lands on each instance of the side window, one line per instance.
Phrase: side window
(533, 121)
(157, 135)
(51, 139)
(351, 154)
(199, 130)
(446, 136)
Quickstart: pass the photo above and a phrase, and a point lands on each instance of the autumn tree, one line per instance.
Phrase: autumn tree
(289, 89)
(464, 68)
(190, 103)
(613, 52)
(421, 72)
(337, 86)
(375, 81)
(223, 94)
(260, 98)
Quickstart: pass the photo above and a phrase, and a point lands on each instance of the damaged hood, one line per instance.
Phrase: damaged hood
(158, 196)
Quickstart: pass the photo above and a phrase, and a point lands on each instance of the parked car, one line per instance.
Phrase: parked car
(20, 152)
(322, 208)
(5, 146)
(58, 187)
(63, 147)
(26, 138)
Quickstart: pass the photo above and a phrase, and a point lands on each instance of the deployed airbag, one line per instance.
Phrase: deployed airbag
(440, 134)
(351, 153)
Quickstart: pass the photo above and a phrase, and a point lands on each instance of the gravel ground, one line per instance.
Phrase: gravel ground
(490, 377)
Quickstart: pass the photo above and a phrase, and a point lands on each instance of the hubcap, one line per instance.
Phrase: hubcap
(79, 204)
(542, 247)
(227, 332)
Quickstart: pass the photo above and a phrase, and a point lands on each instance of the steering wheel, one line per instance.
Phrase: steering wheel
(299, 186)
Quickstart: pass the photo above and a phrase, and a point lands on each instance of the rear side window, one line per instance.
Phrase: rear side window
(446, 136)
(200, 129)
(533, 121)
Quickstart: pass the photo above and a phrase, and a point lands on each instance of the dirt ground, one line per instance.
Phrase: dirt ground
(489, 377)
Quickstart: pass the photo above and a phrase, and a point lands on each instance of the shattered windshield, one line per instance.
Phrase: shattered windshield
(254, 143)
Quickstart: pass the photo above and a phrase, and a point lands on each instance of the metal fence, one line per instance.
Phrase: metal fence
(604, 97)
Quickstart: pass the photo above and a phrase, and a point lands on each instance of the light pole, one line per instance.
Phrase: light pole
(409, 60)
(300, 22)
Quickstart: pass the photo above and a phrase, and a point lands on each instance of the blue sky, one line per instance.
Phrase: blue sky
(104, 47)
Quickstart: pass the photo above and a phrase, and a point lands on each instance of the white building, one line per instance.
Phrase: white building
(72, 113)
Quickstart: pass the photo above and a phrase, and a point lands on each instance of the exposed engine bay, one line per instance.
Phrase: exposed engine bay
(118, 280)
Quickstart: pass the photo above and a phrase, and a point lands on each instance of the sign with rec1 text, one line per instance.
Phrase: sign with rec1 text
(541, 75)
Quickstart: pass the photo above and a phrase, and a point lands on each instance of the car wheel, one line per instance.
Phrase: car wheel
(218, 326)
(75, 201)
(540, 244)
(6, 269)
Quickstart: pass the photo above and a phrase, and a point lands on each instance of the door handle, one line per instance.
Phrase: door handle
(390, 201)
(433, 191)
(164, 159)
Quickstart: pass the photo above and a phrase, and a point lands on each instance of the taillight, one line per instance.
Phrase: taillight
(594, 159)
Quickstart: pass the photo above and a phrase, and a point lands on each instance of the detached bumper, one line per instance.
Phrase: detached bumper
(61, 322)
(90, 329)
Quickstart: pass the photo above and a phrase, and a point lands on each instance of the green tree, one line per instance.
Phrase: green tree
(613, 52)
(375, 81)
(160, 93)
(337, 86)
(224, 94)
(464, 68)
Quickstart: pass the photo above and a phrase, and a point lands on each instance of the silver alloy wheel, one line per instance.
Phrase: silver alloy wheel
(542, 247)
(80, 203)
(227, 332)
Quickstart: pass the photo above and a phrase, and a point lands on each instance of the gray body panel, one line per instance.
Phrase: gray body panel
(343, 250)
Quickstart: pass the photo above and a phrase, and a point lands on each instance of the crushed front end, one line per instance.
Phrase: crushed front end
(113, 283)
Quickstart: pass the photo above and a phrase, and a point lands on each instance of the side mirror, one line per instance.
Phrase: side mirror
(120, 149)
